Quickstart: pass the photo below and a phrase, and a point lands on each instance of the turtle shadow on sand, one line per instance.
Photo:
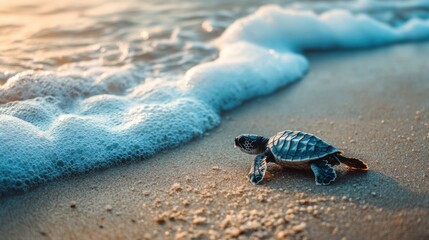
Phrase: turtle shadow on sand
(372, 187)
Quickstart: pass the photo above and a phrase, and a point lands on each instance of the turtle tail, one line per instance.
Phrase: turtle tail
(353, 163)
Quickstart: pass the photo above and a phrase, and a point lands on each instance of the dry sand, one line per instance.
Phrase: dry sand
(373, 104)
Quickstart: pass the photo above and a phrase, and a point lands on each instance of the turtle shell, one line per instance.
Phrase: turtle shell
(296, 146)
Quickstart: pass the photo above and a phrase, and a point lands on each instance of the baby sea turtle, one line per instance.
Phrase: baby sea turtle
(295, 149)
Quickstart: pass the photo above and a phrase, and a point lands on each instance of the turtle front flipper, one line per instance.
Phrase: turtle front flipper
(324, 172)
(259, 167)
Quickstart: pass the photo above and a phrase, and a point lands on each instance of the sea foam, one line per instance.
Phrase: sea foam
(54, 124)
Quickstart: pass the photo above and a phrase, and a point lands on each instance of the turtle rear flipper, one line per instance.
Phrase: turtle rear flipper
(324, 172)
(353, 163)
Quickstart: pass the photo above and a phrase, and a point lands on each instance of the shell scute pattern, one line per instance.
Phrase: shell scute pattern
(299, 146)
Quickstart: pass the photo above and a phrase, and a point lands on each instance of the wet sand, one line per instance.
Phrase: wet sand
(373, 104)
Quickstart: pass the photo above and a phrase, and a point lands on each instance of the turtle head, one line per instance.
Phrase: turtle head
(251, 144)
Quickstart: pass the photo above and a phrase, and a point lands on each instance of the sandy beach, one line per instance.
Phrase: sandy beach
(373, 104)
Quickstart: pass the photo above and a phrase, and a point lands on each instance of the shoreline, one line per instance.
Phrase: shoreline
(369, 103)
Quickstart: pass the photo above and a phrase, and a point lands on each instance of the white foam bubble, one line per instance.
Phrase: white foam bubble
(57, 124)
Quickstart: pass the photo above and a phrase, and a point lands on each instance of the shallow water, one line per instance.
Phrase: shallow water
(159, 36)
(87, 85)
